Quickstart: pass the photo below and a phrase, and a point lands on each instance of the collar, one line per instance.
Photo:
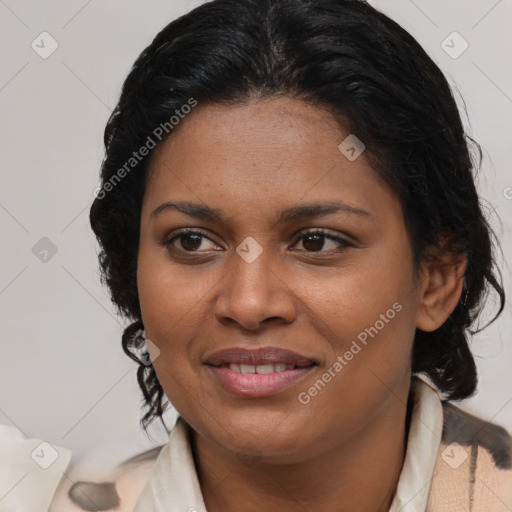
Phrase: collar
(425, 432)
(173, 484)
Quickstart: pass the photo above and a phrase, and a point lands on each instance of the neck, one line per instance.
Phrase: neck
(360, 473)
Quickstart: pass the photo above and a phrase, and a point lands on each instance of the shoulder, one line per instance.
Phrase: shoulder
(464, 428)
(473, 470)
(116, 488)
(30, 470)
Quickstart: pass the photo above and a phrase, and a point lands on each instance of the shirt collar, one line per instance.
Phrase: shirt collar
(425, 432)
(173, 483)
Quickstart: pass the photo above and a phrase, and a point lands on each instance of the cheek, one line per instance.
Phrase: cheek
(167, 298)
(373, 343)
(357, 296)
(368, 313)
(370, 337)
(173, 313)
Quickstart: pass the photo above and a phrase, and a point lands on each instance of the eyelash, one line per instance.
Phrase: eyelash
(319, 231)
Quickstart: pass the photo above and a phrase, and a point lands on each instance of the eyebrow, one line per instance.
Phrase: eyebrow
(305, 211)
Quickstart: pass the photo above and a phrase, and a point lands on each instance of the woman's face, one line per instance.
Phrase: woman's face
(260, 275)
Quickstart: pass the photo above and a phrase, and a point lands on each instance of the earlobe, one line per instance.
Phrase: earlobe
(441, 290)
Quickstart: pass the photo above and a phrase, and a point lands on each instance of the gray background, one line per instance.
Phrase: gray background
(63, 375)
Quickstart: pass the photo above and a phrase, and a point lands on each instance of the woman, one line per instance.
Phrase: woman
(288, 215)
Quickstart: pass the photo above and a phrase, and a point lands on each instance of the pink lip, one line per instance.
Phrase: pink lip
(262, 355)
(256, 385)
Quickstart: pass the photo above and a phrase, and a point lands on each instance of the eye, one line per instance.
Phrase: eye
(190, 240)
(314, 240)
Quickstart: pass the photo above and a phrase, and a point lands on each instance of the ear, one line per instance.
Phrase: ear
(441, 289)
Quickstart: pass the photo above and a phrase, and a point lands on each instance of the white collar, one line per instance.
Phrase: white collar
(173, 485)
(423, 443)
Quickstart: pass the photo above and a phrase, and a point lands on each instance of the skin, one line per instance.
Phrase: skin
(343, 450)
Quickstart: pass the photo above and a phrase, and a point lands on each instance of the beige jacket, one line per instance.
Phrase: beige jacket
(473, 470)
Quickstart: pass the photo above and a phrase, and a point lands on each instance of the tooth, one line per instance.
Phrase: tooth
(248, 368)
(235, 367)
(290, 366)
(280, 367)
(264, 368)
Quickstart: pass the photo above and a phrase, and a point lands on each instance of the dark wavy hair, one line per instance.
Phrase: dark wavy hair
(375, 78)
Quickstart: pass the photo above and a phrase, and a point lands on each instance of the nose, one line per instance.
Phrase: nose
(255, 294)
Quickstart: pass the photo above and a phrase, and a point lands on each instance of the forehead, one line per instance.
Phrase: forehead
(260, 152)
(255, 126)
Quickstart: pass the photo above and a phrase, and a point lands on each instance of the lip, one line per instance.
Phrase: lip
(253, 385)
(261, 355)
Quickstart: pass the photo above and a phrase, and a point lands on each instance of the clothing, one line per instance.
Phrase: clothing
(30, 471)
(454, 462)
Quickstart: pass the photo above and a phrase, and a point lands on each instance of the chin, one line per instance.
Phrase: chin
(271, 436)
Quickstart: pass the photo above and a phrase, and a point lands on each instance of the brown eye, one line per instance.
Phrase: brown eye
(188, 240)
(314, 241)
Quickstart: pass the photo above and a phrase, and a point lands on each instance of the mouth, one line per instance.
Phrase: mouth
(258, 360)
(262, 372)
(262, 369)
(254, 384)
(258, 372)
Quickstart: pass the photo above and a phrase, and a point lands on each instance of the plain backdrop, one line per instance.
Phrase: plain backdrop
(63, 375)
